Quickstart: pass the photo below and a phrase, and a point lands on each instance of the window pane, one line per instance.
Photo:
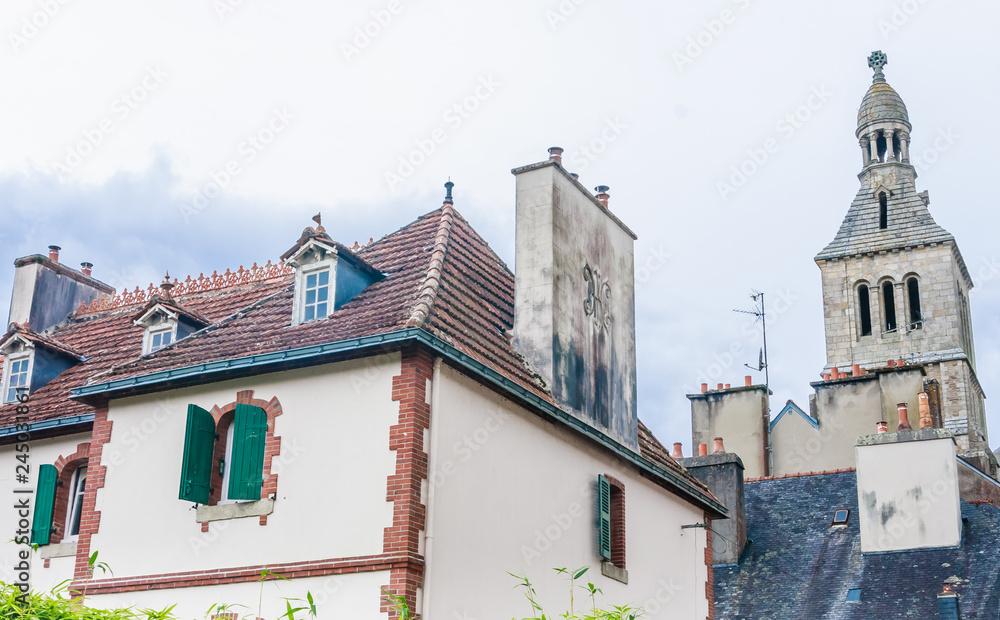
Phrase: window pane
(166, 338)
(311, 296)
(321, 310)
(311, 280)
(310, 313)
(322, 293)
(324, 278)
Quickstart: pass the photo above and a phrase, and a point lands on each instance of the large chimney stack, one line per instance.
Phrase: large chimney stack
(722, 473)
(574, 293)
(46, 291)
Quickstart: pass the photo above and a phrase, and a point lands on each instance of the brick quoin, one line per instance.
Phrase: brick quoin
(710, 581)
(66, 466)
(90, 519)
(406, 439)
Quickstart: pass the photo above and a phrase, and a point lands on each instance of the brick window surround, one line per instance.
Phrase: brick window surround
(66, 466)
(272, 445)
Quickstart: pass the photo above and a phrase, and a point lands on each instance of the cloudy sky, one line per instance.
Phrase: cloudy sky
(118, 120)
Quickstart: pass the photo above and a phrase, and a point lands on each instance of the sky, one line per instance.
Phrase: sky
(195, 135)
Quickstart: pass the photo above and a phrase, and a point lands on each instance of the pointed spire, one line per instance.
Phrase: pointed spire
(876, 61)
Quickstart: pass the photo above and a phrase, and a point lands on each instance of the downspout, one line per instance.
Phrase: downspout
(431, 447)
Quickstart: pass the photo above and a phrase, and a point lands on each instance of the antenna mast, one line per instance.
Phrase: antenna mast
(759, 314)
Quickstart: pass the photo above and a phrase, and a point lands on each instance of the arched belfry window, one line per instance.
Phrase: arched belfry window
(883, 211)
(881, 147)
(864, 310)
(913, 293)
(889, 306)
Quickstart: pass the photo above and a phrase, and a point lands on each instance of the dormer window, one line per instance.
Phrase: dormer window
(327, 275)
(16, 376)
(166, 321)
(317, 295)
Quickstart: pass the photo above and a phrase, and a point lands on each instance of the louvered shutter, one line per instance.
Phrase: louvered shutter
(247, 474)
(199, 445)
(45, 500)
(604, 517)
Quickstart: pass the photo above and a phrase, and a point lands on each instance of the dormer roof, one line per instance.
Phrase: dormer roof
(318, 239)
(170, 308)
(30, 339)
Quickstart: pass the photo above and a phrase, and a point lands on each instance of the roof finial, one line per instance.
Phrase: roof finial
(165, 286)
(318, 218)
(876, 61)
(447, 197)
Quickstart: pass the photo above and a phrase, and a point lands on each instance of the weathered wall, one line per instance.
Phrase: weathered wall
(739, 416)
(511, 492)
(575, 299)
(45, 294)
(41, 452)
(908, 494)
(332, 472)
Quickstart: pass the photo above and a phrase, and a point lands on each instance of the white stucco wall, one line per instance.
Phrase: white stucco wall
(42, 451)
(511, 492)
(332, 472)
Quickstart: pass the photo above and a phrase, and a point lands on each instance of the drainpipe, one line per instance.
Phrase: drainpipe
(432, 452)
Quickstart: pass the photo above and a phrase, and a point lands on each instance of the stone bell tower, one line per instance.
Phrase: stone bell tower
(895, 286)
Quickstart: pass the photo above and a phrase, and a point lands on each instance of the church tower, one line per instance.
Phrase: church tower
(895, 286)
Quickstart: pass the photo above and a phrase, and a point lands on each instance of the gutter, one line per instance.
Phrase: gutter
(99, 393)
(38, 430)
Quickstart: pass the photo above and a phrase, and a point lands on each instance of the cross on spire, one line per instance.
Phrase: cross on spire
(876, 61)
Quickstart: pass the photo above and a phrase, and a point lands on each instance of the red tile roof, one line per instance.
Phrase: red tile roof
(440, 276)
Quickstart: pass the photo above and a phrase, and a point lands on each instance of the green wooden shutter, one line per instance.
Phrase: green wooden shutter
(45, 500)
(199, 444)
(604, 517)
(246, 475)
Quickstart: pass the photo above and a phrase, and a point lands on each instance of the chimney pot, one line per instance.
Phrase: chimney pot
(555, 154)
(826, 376)
(882, 427)
(904, 420)
(719, 448)
(900, 363)
(856, 370)
(678, 452)
(704, 388)
(703, 449)
(729, 385)
(87, 268)
(748, 380)
(892, 363)
(602, 194)
(925, 410)
(54, 252)
(834, 373)
(718, 387)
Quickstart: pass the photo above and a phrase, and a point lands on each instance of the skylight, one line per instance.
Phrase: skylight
(854, 594)
(841, 516)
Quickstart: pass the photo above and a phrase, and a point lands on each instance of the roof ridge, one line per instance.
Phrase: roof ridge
(427, 292)
(802, 474)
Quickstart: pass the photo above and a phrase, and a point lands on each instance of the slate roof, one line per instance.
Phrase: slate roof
(440, 275)
(798, 567)
(910, 225)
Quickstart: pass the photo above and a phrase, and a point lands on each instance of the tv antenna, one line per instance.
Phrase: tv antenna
(759, 317)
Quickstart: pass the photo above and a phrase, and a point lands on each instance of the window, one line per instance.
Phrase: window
(889, 306)
(913, 290)
(854, 595)
(17, 378)
(243, 464)
(75, 508)
(883, 211)
(317, 294)
(865, 310)
(841, 516)
(611, 522)
(158, 340)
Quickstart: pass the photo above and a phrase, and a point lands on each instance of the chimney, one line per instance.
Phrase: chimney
(703, 449)
(856, 370)
(948, 607)
(834, 373)
(719, 448)
(704, 388)
(602, 194)
(908, 492)
(678, 450)
(555, 154)
(748, 381)
(87, 268)
(904, 418)
(722, 473)
(46, 292)
(729, 386)
(926, 421)
(574, 298)
(720, 387)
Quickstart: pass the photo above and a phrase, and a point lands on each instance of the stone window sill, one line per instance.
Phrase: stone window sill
(62, 550)
(223, 512)
(610, 570)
